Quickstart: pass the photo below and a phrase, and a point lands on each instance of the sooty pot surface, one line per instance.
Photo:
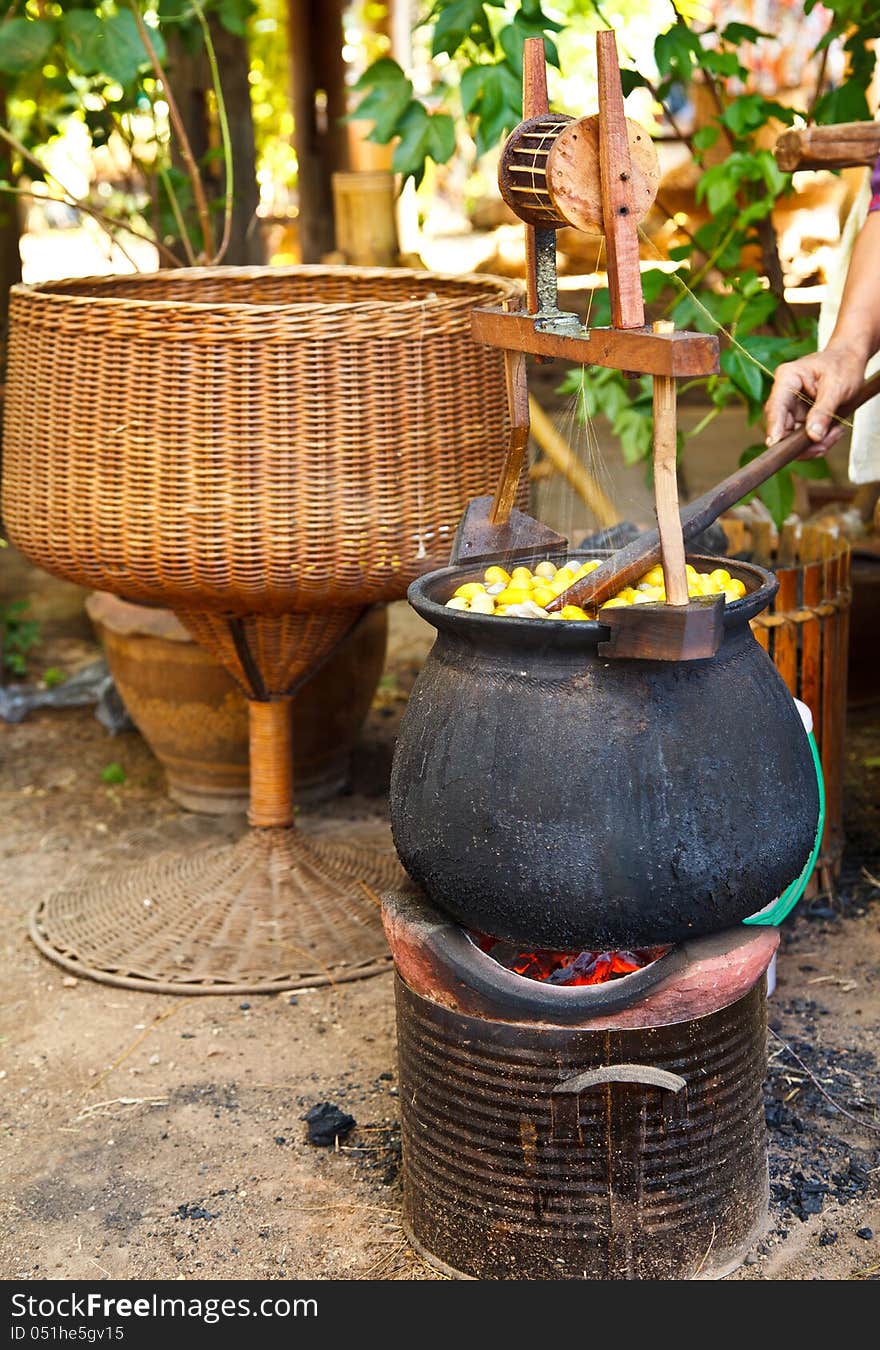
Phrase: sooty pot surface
(543, 793)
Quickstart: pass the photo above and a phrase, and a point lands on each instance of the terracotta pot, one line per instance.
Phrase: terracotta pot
(194, 717)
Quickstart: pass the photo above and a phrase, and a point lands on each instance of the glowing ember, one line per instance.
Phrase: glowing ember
(568, 968)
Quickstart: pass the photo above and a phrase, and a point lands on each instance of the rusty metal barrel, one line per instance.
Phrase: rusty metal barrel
(629, 1147)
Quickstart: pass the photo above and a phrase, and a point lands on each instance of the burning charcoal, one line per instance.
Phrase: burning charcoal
(566, 968)
(326, 1123)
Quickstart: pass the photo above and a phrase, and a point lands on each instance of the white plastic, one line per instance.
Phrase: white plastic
(771, 975)
(806, 715)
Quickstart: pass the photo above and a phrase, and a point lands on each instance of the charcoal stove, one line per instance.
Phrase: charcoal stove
(637, 777)
(614, 1131)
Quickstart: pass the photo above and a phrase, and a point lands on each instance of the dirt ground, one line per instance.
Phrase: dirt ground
(150, 1136)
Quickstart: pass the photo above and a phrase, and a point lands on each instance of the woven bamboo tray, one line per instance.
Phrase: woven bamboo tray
(267, 452)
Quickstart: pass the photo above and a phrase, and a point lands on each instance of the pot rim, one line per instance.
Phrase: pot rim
(761, 586)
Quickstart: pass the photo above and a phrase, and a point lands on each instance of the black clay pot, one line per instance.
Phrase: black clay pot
(548, 795)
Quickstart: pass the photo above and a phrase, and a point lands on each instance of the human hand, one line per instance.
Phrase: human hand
(825, 379)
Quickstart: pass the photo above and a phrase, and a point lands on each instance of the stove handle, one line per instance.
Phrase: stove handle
(565, 1097)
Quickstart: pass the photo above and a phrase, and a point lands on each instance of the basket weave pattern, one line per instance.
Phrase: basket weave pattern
(249, 440)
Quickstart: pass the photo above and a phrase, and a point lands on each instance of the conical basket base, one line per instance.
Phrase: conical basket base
(276, 910)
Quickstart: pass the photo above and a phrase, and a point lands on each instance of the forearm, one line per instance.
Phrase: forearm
(858, 325)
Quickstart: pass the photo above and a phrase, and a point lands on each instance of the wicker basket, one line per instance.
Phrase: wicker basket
(248, 440)
(267, 452)
(806, 632)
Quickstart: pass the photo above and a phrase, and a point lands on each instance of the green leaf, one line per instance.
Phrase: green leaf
(773, 176)
(777, 494)
(458, 21)
(758, 310)
(772, 351)
(719, 186)
(721, 63)
(810, 468)
(441, 137)
(470, 88)
(385, 108)
(744, 114)
(705, 137)
(736, 33)
(390, 95)
(381, 72)
(80, 30)
(633, 429)
(24, 44)
(422, 136)
(743, 372)
(654, 282)
(531, 13)
(109, 46)
(535, 28)
(234, 14)
(491, 93)
(676, 50)
(510, 40)
(630, 80)
(113, 773)
(846, 103)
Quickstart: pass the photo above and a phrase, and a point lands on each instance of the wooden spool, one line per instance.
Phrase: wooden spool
(522, 170)
(549, 172)
(573, 178)
(805, 631)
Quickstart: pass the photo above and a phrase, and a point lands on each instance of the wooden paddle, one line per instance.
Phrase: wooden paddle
(629, 563)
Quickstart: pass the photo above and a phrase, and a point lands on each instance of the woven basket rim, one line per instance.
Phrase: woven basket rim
(64, 291)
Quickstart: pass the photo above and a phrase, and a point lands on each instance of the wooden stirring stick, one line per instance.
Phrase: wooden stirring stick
(629, 563)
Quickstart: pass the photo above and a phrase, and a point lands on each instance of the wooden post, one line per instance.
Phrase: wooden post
(615, 171)
(271, 763)
(511, 469)
(666, 483)
(364, 211)
(317, 73)
(842, 145)
(535, 102)
(10, 236)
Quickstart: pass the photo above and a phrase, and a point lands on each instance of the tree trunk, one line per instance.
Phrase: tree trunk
(245, 240)
(190, 77)
(10, 239)
(317, 76)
